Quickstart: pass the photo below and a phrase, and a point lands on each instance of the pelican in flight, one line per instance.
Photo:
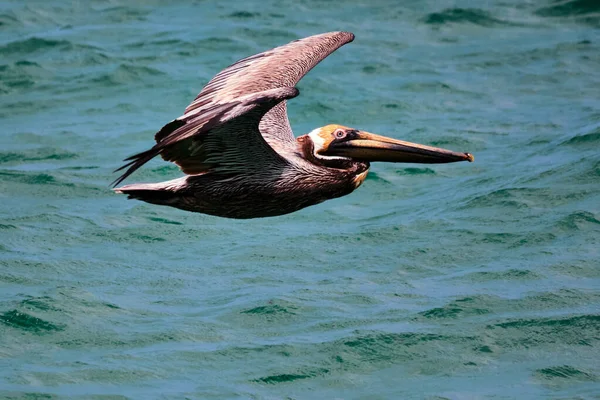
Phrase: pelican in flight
(235, 144)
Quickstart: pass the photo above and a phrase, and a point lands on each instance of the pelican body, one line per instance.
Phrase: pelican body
(241, 159)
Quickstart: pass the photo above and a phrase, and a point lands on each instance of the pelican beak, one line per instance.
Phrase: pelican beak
(370, 147)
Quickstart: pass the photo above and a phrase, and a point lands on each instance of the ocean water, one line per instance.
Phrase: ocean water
(458, 281)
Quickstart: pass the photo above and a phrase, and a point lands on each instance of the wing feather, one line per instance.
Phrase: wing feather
(223, 130)
(240, 115)
(282, 66)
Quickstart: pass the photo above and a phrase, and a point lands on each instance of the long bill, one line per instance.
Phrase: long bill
(370, 147)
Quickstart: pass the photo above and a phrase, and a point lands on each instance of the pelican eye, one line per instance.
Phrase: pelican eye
(340, 134)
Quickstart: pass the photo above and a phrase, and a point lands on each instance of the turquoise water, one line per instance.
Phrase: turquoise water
(458, 281)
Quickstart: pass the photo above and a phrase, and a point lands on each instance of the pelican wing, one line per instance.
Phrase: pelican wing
(239, 120)
(282, 66)
(223, 137)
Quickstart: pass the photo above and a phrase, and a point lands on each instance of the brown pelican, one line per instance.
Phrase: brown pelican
(240, 157)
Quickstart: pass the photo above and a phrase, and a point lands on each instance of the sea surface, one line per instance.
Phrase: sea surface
(457, 281)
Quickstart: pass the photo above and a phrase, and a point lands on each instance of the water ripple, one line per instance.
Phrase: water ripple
(463, 15)
(458, 278)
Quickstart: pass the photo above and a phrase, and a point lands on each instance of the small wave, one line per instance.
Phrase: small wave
(512, 274)
(415, 171)
(21, 75)
(456, 142)
(148, 239)
(463, 15)
(44, 303)
(512, 197)
(269, 309)
(32, 45)
(124, 74)
(41, 154)
(219, 44)
(588, 139)
(570, 8)
(125, 14)
(428, 86)
(80, 167)
(7, 226)
(243, 15)
(536, 55)
(262, 33)
(25, 107)
(273, 309)
(476, 305)
(290, 377)
(564, 372)
(580, 330)
(164, 221)
(395, 348)
(578, 221)
(170, 43)
(7, 20)
(27, 63)
(377, 68)
(26, 322)
(524, 197)
(464, 307)
(375, 177)
(591, 321)
(29, 178)
(50, 184)
(438, 87)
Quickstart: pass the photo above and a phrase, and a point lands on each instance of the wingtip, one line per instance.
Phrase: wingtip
(120, 179)
(343, 36)
(346, 36)
(113, 184)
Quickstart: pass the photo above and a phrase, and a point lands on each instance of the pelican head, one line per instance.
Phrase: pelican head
(337, 142)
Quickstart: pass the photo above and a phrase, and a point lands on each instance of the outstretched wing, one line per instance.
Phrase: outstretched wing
(223, 137)
(282, 66)
(240, 110)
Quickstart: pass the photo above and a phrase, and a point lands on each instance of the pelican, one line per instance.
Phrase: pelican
(241, 159)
